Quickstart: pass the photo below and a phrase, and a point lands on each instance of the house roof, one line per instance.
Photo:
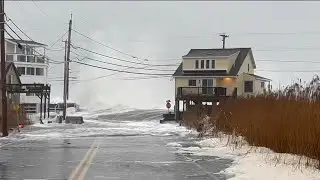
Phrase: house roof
(211, 52)
(27, 42)
(243, 52)
(11, 64)
(259, 77)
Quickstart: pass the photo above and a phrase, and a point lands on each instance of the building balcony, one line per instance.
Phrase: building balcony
(206, 92)
(25, 58)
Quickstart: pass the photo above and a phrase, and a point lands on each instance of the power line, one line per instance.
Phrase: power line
(48, 59)
(57, 50)
(119, 59)
(100, 77)
(270, 70)
(122, 79)
(60, 38)
(234, 34)
(39, 8)
(143, 78)
(13, 32)
(291, 49)
(152, 74)
(132, 67)
(104, 44)
(275, 33)
(287, 61)
(10, 20)
(105, 76)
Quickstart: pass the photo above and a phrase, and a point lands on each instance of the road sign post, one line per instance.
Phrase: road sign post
(168, 105)
(16, 108)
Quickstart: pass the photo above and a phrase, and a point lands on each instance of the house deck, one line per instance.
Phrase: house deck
(204, 94)
(197, 95)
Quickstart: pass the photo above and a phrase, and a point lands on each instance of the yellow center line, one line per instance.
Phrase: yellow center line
(89, 163)
(86, 156)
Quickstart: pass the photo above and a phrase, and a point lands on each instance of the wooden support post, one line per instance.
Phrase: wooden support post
(199, 103)
(4, 117)
(41, 96)
(183, 110)
(45, 105)
(49, 103)
(188, 105)
(177, 108)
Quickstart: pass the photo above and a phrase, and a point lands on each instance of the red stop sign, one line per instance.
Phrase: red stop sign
(168, 105)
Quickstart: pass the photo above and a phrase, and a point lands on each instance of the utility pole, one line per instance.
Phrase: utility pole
(66, 71)
(3, 74)
(65, 80)
(224, 36)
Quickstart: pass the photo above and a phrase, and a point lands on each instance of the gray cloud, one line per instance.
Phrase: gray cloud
(166, 30)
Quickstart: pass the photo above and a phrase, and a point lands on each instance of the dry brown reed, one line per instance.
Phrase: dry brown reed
(282, 124)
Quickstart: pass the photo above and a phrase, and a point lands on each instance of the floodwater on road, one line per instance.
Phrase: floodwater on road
(124, 145)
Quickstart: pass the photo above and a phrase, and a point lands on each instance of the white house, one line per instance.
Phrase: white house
(32, 64)
(216, 72)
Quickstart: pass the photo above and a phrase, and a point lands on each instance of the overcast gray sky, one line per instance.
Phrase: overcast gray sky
(168, 30)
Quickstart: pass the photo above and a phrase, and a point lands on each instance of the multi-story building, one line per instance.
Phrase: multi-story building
(31, 62)
(209, 75)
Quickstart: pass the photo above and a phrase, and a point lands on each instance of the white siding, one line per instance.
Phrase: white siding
(258, 88)
(244, 67)
(221, 63)
(11, 48)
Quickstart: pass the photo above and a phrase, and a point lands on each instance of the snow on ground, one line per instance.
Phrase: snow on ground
(103, 129)
(94, 127)
(250, 163)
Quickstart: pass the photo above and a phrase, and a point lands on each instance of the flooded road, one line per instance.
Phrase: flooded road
(128, 145)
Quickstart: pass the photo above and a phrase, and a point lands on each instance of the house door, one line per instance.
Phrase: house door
(207, 86)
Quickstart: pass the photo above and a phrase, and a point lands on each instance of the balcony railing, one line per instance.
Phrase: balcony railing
(25, 58)
(202, 91)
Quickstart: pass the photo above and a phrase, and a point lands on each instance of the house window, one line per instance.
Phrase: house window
(9, 57)
(10, 79)
(20, 51)
(30, 108)
(30, 71)
(22, 58)
(197, 64)
(29, 50)
(30, 59)
(248, 67)
(30, 94)
(22, 70)
(39, 71)
(192, 82)
(262, 85)
(207, 64)
(40, 59)
(213, 64)
(10, 48)
(202, 64)
(248, 86)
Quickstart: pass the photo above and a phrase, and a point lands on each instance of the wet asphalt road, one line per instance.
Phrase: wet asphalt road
(110, 157)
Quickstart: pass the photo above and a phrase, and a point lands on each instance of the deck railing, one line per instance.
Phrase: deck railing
(201, 91)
